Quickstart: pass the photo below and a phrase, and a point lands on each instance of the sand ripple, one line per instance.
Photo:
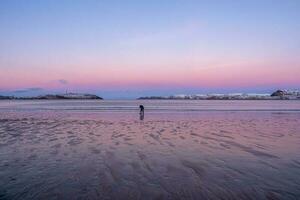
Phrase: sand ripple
(198, 156)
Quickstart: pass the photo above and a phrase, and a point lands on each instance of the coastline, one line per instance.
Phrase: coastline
(277, 95)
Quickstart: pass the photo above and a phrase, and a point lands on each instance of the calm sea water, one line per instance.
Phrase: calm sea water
(180, 150)
(150, 105)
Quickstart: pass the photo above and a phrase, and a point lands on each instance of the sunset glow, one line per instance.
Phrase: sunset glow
(175, 46)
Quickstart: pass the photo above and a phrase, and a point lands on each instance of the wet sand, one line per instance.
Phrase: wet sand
(186, 155)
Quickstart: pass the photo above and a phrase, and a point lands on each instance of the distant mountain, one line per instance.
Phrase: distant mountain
(70, 96)
(277, 95)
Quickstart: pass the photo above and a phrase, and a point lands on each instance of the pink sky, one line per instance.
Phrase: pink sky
(95, 46)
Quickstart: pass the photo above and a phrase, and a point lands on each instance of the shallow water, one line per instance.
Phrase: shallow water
(150, 105)
(181, 150)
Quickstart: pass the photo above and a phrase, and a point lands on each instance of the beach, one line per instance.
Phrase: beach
(180, 150)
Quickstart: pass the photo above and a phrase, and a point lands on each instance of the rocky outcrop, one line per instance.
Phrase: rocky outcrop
(278, 93)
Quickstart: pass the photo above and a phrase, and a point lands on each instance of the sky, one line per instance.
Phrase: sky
(131, 48)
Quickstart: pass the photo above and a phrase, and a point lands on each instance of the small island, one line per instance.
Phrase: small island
(67, 96)
(277, 95)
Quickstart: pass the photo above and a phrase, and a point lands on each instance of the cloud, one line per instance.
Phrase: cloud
(36, 89)
(63, 81)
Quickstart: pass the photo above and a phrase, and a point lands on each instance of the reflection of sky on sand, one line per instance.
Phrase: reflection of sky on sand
(234, 155)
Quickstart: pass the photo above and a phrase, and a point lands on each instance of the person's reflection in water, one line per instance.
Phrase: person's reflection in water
(141, 112)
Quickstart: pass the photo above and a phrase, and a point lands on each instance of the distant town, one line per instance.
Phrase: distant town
(277, 95)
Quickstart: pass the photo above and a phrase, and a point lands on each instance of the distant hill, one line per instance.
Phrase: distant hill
(70, 96)
(277, 95)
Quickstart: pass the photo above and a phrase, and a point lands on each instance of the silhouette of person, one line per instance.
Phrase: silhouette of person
(142, 112)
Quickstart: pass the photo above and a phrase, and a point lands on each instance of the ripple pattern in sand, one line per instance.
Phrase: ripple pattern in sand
(220, 156)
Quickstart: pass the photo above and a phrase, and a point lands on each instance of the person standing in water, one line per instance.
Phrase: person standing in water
(142, 112)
